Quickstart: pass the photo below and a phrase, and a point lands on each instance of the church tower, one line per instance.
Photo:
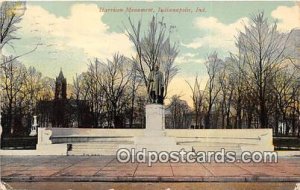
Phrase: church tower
(60, 102)
(60, 87)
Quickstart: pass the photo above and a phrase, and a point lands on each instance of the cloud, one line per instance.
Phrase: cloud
(188, 58)
(288, 17)
(216, 34)
(82, 29)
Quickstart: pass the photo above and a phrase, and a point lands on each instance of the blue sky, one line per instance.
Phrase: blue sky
(71, 33)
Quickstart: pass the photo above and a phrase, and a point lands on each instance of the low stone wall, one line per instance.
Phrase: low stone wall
(246, 139)
(90, 132)
(198, 139)
(244, 136)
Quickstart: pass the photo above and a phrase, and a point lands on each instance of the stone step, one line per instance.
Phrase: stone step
(155, 140)
(218, 147)
(213, 147)
(219, 140)
(92, 152)
(208, 144)
(94, 149)
(82, 139)
(83, 145)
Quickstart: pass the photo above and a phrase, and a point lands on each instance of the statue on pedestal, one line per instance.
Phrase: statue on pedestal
(156, 86)
(34, 127)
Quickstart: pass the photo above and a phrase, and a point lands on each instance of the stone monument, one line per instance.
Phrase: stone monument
(154, 138)
(155, 111)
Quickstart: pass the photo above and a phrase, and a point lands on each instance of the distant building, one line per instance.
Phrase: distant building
(63, 112)
(61, 87)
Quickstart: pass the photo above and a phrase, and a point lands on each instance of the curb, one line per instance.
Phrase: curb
(152, 179)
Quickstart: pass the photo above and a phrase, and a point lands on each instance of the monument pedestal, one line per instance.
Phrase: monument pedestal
(155, 121)
(154, 138)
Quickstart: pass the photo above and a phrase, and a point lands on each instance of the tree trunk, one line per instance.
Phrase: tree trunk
(207, 121)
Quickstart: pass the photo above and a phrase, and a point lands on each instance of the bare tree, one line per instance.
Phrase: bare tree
(32, 88)
(285, 93)
(46, 95)
(154, 48)
(198, 101)
(212, 89)
(263, 50)
(111, 88)
(81, 86)
(77, 87)
(48, 87)
(238, 98)
(167, 58)
(10, 15)
(116, 78)
(13, 77)
(93, 89)
(179, 112)
(134, 86)
(226, 83)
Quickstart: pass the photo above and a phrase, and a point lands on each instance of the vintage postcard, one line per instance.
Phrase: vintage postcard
(168, 95)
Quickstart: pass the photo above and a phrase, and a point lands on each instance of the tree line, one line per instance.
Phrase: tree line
(254, 87)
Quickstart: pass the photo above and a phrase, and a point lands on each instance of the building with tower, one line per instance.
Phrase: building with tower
(61, 86)
(62, 111)
(60, 105)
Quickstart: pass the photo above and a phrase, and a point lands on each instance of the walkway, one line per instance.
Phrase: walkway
(108, 169)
